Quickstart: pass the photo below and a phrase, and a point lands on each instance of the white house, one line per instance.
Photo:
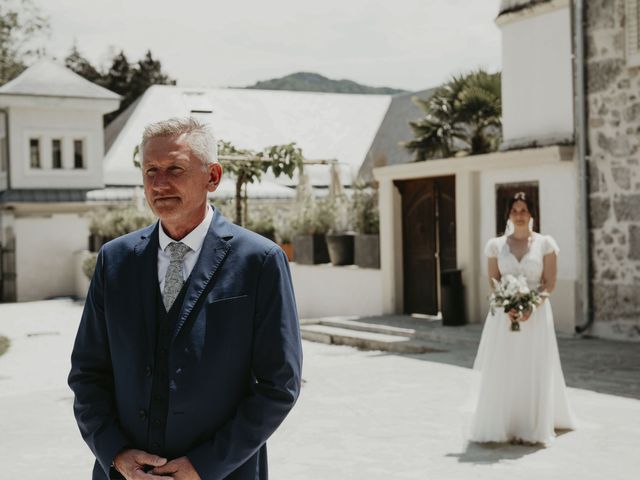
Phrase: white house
(52, 154)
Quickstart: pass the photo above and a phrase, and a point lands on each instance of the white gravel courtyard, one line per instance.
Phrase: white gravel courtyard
(361, 415)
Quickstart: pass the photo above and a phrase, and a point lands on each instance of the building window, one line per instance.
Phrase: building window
(56, 153)
(505, 192)
(632, 32)
(34, 153)
(78, 154)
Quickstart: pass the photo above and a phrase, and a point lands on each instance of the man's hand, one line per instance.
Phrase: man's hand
(132, 464)
(179, 469)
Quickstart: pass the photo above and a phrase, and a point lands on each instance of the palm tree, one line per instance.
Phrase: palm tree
(461, 117)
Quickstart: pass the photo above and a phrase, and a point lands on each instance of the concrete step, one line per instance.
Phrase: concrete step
(364, 340)
(361, 326)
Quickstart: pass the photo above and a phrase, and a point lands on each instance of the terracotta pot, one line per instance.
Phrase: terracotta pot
(288, 250)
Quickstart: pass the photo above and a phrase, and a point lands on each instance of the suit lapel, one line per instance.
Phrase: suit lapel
(146, 252)
(213, 252)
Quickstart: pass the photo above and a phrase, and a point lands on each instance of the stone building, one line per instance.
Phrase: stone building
(612, 36)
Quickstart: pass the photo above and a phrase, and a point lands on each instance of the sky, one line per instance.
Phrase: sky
(407, 44)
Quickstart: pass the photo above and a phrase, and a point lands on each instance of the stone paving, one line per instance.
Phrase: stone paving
(362, 415)
(589, 363)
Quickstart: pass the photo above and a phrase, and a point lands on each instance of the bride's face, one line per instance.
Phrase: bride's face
(519, 214)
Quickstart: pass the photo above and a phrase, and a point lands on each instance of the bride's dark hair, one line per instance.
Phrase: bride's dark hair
(519, 197)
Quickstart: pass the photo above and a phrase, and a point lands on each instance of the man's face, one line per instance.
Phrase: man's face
(176, 182)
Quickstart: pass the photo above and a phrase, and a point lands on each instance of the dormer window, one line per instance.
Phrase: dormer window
(78, 154)
(56, 153)
(34, 153)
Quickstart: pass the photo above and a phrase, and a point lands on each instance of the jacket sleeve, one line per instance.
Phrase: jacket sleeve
(91, 377)
(277, 366)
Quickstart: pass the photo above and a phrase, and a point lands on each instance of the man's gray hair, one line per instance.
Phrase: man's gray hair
(198, 136)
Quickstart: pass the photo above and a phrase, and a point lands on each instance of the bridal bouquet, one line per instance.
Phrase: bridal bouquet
(513, 293)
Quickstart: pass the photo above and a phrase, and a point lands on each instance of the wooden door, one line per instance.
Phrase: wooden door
(428, 232)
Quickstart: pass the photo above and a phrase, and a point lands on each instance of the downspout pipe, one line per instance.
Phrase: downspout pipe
(5, 114)
(583, 172)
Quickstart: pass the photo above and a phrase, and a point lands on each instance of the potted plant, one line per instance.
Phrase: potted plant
(284, 237)
(339, 239)
(262, 223)
(110, 224)
(312, 223)
(366, 221)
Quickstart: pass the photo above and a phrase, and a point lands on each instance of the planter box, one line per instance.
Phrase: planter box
(310, 249)
(367, 251)
(340, 249)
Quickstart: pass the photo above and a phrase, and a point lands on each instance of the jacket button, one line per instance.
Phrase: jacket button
(142, 414)
(157, 422)
(148, 371)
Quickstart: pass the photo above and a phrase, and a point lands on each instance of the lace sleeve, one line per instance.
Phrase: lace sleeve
(491, 249)
(550, 245)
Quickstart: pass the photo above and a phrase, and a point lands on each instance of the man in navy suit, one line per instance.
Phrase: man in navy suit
(188, 354)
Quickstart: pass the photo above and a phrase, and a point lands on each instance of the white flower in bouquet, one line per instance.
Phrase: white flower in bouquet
(523, 286)
(513, 293)
(510, 285)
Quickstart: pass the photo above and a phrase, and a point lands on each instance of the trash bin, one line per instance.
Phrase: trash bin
(453, 310)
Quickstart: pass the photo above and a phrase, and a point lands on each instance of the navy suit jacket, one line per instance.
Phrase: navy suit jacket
(234, 363)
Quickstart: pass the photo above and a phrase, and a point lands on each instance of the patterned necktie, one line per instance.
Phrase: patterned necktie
(173, 279)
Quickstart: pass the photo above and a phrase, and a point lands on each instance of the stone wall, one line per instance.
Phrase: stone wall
(614, 170)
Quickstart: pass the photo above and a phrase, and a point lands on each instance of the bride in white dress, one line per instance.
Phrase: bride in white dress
(522, 396)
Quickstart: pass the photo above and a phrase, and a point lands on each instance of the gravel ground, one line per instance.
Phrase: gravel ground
(361, 415)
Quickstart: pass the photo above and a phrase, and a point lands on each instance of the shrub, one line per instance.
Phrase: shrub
(113, 223)
(315, 217)
(364, 210)
(89, 265)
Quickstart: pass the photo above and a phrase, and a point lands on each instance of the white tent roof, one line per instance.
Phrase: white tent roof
(324, 125)
(226, 190)
(50, 79)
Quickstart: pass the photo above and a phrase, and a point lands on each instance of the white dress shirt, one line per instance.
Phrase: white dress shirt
(193, 240)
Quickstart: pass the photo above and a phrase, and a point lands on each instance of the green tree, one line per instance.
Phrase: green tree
(21, 25)
(79, 64)
(126, 79)
(461, 117)
(248, 167)
(118, 78)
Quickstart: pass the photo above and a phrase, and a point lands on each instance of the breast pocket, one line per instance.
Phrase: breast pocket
(229, 328)
(230, 319)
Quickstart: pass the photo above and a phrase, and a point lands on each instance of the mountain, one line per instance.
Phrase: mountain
(313, 82)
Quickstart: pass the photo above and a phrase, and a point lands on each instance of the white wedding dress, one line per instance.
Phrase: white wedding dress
(522, 394)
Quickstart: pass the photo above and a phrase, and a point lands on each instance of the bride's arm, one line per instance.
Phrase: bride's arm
(549, 272)
(494, 271)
